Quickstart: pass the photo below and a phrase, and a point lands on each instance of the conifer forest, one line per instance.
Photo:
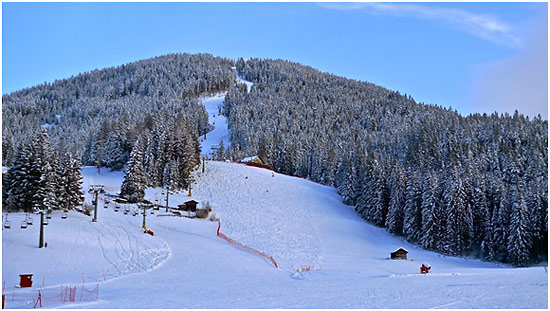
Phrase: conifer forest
(472, 186)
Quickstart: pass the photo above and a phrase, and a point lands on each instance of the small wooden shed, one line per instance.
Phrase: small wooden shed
(401, 253)
(189, 206)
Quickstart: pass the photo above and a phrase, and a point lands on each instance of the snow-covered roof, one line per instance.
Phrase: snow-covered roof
(401, 248)
(249, 159)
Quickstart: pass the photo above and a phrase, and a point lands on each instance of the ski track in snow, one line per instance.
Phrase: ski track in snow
(298, 222)
(219, 121)
(267, 209)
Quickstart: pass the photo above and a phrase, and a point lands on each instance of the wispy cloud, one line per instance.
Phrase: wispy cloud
(483, 26)
(519, 82)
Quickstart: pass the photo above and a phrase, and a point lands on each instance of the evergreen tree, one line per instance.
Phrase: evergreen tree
(134, 184)
(459, 229)
(432, 226)
(394, 221)
(72, 184)
(412, 223)
(45, 169)
(519, 240)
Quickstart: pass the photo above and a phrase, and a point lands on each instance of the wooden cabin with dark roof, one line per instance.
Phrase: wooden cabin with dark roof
(401, 254)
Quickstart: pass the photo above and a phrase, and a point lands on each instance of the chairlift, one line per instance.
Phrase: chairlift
(29, 220)
(23, 225)
(64, 215)
(7, 224)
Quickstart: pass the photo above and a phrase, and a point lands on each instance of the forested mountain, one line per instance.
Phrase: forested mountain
(98, 116)
(470, 186)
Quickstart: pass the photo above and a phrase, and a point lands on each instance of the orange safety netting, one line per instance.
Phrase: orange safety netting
(244, 247)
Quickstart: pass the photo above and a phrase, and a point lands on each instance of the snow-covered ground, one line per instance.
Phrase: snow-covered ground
(248, 83)
(299, 223)
(219, 121)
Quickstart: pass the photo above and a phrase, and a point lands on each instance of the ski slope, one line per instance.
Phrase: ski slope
(248, 83)
(220, 131)
(298, 222)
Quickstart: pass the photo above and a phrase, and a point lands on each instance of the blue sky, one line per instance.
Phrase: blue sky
(474, 57)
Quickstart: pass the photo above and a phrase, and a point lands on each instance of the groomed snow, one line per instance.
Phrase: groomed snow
(299, 223)
(219, 121)
(248, 83)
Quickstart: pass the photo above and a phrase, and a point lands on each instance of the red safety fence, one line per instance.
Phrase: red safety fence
(51, 296)
(244, 247)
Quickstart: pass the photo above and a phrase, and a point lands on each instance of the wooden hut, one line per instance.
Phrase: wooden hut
(189, 206)
(401, 253)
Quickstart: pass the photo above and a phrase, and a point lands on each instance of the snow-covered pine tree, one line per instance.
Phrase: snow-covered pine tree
(412, 222)
(345, 179)
(46, 168)
(362, 206)
(72, 183)
(459, 229)
(379, 199)
(15, 193)
(432, 229)
(134, 184)
(394, 220)
(520, 237)
(221, 150)
(45, 197)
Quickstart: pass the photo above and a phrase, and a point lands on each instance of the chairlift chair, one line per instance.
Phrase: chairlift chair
(23, 225)
(29, 221)
(46, 222)
(64, 215)
(7, 224)
(48, 216)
